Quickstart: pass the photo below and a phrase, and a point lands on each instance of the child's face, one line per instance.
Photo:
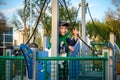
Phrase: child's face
(63, 30)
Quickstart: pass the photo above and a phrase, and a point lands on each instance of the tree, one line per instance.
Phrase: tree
(111, 23)
(3, 26)
(21, 20)
(97, 31)
(112, 20)
(23, 16)
(117, 5)
(114, 26)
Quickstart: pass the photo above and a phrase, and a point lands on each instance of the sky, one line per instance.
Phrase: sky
(9, 7)
(97, 7)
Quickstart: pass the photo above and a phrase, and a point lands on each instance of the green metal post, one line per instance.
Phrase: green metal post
(45, 69)
(22, 69)
(104, 70)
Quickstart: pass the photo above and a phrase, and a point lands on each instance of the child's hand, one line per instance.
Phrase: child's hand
(75, 32)
(71, 48)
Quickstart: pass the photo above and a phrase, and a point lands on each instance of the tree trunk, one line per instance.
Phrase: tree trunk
(26, 36)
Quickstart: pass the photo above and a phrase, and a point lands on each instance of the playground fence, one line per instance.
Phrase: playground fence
(68, 68)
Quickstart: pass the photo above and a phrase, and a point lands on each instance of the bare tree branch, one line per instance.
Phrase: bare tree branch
(25, 27)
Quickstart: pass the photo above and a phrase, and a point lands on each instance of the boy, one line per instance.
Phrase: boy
(65, 45)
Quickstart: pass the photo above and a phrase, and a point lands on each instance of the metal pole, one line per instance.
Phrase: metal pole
(31, 20)
(105, 53)
(35, 50)
(55, 38)
(83, 35)
(45, 42)
(83, 27)
(8, 64)
(55, 19)
(113, 59)
(4, 44)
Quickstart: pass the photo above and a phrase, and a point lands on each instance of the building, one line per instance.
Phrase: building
(20, 38)
(6, 39)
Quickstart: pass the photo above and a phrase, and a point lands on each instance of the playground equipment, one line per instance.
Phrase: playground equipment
(103, 69)
(27, 53)
(41, 66)
(96, 67)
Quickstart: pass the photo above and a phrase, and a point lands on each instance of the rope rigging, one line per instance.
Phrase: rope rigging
(60, 3)
(38, 20)
(67, 12)
(76, 16)
(95, 24)
(74, 24)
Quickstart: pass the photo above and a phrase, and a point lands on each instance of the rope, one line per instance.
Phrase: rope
(74, 24)
(95, 25)
(86, 44)
(37, 22)
(76, 16)
(68, 12)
